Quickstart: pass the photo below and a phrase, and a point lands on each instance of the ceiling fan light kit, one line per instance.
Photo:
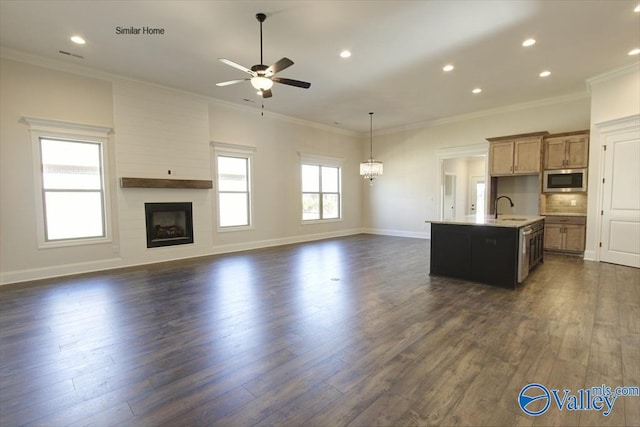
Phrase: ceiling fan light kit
(263, 77)
(261, 83)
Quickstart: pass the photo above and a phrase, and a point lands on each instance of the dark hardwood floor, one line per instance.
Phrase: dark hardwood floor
(350, 331)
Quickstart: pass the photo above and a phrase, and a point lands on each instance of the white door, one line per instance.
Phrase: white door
(449, 199)
(476, 195)
(620, 230)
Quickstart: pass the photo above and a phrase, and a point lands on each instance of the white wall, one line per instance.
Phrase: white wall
(614, 95)
(155, 130)
(408, 193)
(39, 92)
(158, 130)
(277, 186)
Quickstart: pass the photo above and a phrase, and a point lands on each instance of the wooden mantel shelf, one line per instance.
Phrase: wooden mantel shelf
(165, 183)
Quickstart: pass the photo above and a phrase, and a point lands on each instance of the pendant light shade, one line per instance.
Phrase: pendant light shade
(371, 168)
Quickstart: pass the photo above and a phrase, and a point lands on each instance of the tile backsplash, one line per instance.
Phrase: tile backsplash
(561, 203)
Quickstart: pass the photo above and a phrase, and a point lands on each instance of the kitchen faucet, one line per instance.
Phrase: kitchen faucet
(495, 206)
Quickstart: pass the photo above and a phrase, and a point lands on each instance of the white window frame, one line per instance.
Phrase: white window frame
(73, 132)
(240, 151)
(327, 161)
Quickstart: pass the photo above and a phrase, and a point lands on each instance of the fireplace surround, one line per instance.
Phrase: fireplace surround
(168, 224)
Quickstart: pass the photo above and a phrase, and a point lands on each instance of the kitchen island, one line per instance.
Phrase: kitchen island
(485, 249)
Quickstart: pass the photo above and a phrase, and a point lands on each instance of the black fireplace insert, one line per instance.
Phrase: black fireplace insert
(168, 224)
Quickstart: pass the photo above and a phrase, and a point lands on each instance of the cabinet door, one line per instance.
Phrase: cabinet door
(494, 255)
(526, 156)
(574, 238)
(553, 236)
(501, 158)
(577, 149)
(554, 153)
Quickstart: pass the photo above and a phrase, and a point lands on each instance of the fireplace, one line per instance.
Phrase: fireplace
(168, 224)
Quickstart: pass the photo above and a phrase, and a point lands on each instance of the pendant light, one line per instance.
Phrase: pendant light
(371, 168)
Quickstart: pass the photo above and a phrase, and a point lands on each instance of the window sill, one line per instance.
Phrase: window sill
(74, 242)
(235, 228)
(320, 221)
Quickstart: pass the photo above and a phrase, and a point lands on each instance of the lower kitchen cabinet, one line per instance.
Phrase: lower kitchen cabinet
(564, 233)
(486, 254)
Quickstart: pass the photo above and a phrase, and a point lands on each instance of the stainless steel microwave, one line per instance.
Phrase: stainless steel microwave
(565, 181)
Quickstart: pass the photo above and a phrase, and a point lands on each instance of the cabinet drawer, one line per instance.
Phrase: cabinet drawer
(567, 220)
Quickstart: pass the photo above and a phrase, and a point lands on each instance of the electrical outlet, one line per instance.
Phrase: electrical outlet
(574, 203)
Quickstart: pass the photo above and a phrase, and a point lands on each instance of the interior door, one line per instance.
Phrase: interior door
(620, 227)
(449, 205)
(476, 195)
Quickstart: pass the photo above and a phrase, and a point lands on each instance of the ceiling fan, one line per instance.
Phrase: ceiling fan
(262, 77)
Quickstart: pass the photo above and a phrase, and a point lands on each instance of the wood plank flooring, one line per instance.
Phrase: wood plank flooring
(350, 331)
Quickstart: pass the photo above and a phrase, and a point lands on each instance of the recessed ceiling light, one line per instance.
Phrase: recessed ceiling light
(529, 42)
(345, 54)
(448, 67)
(545, 73)
(634, 52)
(477, 90)
(78, 40)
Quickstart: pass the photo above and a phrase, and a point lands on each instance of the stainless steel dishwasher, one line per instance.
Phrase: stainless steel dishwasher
(530, 251)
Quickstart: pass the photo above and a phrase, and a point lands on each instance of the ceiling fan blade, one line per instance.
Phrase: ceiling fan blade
(267, 93)
(279, 66)
(231, 82)
(291, 82)
(237, 66)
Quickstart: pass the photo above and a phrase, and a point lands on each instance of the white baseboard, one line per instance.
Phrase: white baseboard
(259, 244)
(590, 256)
(398, 233)
(17, 276)
(26, 275)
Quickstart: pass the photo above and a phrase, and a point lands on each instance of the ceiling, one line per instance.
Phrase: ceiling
(398, 50)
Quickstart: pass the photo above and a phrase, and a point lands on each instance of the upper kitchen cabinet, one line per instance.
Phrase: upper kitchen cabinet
(515, 154)
(568, 150)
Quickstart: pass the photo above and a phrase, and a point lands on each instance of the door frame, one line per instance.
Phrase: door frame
(462, 151)
(606, 129)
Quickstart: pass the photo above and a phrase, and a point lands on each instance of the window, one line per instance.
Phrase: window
(71, 193)
(234, 205)
(72, 189)
(233, 165)
(320, 192)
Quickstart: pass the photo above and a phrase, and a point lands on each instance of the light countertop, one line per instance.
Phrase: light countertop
(509, 220)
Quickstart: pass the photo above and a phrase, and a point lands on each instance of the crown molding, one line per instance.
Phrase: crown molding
(489, 112)
(614, 74)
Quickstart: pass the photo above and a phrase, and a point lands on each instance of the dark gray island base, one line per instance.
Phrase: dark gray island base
(487, 251)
